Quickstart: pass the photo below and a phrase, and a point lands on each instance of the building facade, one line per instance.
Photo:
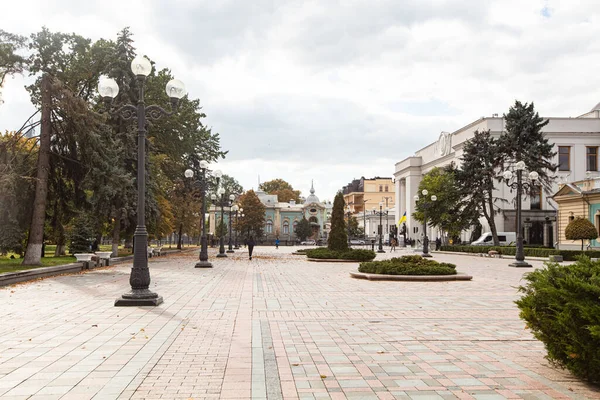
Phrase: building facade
(365, 194)
(576, 142)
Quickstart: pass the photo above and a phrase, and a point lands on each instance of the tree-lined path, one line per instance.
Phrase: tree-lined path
(274, 327)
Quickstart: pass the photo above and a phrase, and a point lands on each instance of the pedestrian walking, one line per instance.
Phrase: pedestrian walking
(277, 243)
(250, 244)
(393, 245)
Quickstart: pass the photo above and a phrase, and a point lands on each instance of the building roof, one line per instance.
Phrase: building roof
(312, 198)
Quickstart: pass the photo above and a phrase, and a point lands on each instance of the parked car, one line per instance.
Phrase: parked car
(505, 239)
(357, 241)
(309, 242)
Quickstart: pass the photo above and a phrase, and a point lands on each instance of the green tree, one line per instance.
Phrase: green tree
(523, 140)
(355, 230)
(338, 238)
(303, 229)
(11, 62)
(449, 213)
(221, 229)
(476, 177)
(81, 237)
(284, 191)
(253, 222)
(580, 229)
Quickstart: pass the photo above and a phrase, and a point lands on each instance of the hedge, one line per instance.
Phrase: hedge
(568, 255)
(561, 306)
(350, 254)
(407, 265)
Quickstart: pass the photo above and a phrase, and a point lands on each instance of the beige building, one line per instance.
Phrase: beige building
(365, 194)
(577, 199)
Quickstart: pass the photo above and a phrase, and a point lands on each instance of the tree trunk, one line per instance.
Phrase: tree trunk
(582, 244)
(490, 217)
(179, 239)
(116, 239)
(36, 230)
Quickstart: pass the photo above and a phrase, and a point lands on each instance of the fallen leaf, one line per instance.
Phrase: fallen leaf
(323, 376)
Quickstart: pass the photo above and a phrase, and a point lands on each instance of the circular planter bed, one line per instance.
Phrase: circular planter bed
(412, 278)
(409, 268)
(338, 260)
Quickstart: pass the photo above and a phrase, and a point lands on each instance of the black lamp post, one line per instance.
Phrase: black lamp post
(238, 211)
(202, 184)
(519, 186)
(220, 200)
(139, 279)
(424, 204)
(380, 213)
(348, 215)
(231, 210)
(365, 220)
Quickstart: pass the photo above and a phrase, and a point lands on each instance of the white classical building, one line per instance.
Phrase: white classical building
(576, 142)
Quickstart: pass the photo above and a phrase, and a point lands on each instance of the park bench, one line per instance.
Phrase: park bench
(104, 257)
(150, 252)
(157, 251)
(85, 258)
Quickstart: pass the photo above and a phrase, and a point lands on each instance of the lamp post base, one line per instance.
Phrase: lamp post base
(520, 264)
(139, 298)
(203, 264)
(230, 251)
(426, 255)
(221, 255)
(236, 247)
(381, 251)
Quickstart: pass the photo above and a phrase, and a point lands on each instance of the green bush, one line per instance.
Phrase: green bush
(350, 254)
(580, 229)
(568, 255)
(407, 265)
(561, 306)
(338, 239)
(80, 239)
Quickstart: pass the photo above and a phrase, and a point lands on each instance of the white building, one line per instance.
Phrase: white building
(576, 142)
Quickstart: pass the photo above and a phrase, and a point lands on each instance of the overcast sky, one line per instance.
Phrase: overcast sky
(336, 90)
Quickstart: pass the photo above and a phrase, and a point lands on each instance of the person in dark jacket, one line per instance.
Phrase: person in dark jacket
(250, 246)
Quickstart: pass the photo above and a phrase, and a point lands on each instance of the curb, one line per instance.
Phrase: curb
(332, 260)
(412, 278)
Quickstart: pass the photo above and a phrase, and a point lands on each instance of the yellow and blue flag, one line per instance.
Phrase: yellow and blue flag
(403, 219)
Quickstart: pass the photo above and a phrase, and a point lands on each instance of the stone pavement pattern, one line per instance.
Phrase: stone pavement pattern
(271, 328)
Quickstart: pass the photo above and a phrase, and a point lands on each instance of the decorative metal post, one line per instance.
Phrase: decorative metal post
(424, 205)
(140, 294)
(381, 213)
(230, 244)
(221, 238)
(203, 186)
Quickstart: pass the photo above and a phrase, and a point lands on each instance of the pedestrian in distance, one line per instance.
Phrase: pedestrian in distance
(250, 244)
(393, 245)
(277, 243)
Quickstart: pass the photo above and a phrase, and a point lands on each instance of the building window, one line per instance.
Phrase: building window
(592, 159)
(536, 198)
(381, 188)
(286, 227)
(386, 188)
(564, 158)
(269, 227)
(295, 226)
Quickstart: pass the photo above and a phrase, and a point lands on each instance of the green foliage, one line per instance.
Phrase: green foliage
(253, 222)
(407, 265)
(349, 254)
(580, 229)
(568, 255)
(82, 235)
(284, 191)
(355, 230)
(221, 229)
(11, 62)
(561, 305)
(449, 211)
(338, 238)
(303, 229)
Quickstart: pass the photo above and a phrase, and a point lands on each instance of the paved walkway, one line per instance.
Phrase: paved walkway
(271, 328)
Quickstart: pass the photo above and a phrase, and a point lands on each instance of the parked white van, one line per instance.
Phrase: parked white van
(505, 239)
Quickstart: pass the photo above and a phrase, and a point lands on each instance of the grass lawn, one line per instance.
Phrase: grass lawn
(13, 265)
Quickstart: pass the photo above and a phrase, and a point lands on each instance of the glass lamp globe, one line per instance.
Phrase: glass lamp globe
(189, 173)
(204, 164)
(380, 204)
(520, 166)
(107, 87)
(232, 197)
(213, 196)
(533, 175)
(141, 66)
(241, 209)
(218, 173)
(221, 191)
(433, 198)
(424, 192)
(175, 89)
(507, 175)
(416, 197)
(234, 208)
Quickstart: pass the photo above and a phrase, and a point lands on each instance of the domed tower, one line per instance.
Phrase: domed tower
(315, 212)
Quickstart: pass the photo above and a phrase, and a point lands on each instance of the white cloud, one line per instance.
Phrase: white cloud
(338, 90)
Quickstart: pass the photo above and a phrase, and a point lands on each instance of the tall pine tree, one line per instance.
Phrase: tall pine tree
(338, 238)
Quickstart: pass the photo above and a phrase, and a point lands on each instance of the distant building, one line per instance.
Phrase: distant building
(365, 194)
(576, 142)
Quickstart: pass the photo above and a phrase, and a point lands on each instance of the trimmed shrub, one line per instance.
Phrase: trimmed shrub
(350, 254)
(561, 306)
(407, 265)
(568, 255)
(338, 239)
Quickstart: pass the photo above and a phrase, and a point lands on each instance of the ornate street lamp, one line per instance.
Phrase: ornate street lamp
(425, 205)
(220, 200)
(231, 210)
(380, 213)
(519, 184)
(348, 215)
(238, 210)
(202, 184)
(139, 279)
